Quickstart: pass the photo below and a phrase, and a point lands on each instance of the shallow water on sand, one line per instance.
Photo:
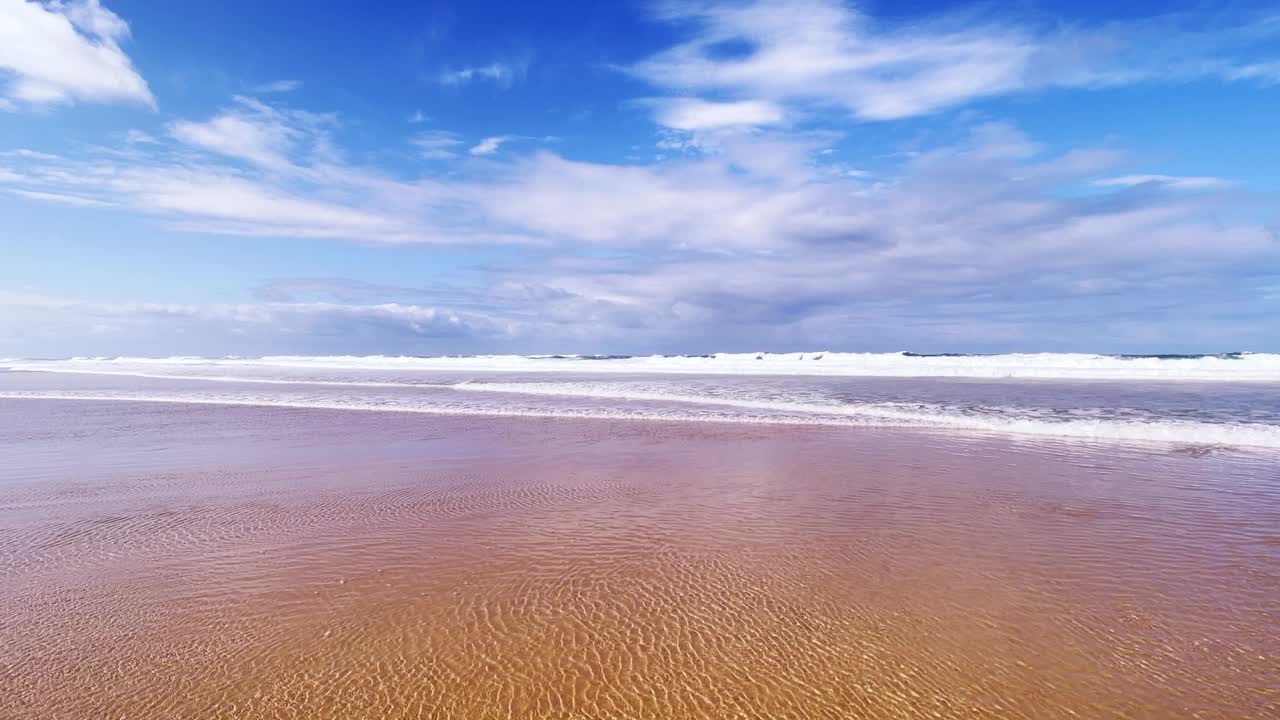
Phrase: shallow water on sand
(181, 561)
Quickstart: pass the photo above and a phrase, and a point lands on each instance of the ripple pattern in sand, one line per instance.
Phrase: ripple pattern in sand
(582, 571)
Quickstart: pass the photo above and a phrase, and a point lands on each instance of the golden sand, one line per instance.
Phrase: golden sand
(305, 564)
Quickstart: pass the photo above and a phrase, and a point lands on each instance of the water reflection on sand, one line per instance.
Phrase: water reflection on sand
(184, 561)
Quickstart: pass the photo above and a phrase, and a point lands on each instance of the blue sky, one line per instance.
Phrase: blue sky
(633, 177)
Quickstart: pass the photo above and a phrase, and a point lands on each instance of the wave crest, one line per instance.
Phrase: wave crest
(1226, 367)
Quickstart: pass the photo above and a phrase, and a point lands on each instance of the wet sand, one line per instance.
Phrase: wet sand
(174, 561)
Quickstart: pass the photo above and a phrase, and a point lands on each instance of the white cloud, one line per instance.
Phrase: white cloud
(757, 236)
(253, 131)
(1173, 181)
(249, 203)
(500, 73)
(293, 184)
(59, 52)
(29, 153)
(31, 320)
(826, 53)
(787, 253)
(235, 136)
(695, 114)
(417, 118)
(698, 204)
(490, 145)
(437, 144)
(134, 137)
(61, 199)
(279, 86)
(1268, 72)
(821, 50)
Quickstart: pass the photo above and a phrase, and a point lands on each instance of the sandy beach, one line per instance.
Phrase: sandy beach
(652, 360)
(183, 561)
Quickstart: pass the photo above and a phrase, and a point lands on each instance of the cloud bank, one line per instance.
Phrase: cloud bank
(755, 242)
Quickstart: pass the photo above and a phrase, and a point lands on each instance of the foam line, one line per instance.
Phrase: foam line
(1165, 432)
(1253, 367)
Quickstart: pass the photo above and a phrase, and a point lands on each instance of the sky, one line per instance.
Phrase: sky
(248, 178)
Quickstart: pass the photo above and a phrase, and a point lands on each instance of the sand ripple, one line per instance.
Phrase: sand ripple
(554, 570)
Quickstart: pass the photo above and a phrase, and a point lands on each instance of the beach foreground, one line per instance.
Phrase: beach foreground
(187, 561)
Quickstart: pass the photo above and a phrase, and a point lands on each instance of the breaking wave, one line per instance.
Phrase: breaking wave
(1240, 367)
(1136, 404)
(730, 410)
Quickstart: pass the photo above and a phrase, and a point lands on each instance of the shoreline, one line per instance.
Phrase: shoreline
(1081, 432)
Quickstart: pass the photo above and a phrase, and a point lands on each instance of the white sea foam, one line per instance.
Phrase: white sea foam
(1012, 420)
(1243, 367)
(477, 386)
(1178, 432)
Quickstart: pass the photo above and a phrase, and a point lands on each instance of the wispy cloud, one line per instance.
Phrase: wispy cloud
(61, 52)
(1173, 181)
(252, 136)
(279, 86)
(437, 144)
(695, 114)
(474, 301)
(829, 54)
(28, 153)
(490, 145)
(136, 137)
(33, 320)
(1268, 72)
(502, 73)
(61, 198)
(264, 171)
(259, 133)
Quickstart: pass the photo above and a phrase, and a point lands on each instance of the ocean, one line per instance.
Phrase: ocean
(1194, 403)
